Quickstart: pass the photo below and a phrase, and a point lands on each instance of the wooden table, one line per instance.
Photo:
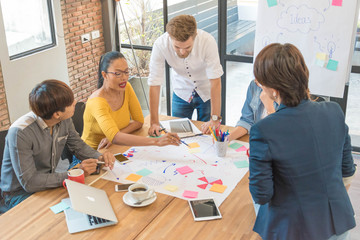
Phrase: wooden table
(167, 218)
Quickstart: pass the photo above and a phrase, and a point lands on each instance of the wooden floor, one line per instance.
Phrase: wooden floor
(354, 193)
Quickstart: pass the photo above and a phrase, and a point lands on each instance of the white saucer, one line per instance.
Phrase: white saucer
(128, 200)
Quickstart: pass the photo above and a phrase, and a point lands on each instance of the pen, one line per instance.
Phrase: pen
(163, 129)
(100, 162)
(184, 143)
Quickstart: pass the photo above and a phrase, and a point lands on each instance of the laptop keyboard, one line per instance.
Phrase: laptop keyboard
(96, 220)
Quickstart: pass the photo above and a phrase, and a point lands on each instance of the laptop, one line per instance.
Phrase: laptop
(90, 208)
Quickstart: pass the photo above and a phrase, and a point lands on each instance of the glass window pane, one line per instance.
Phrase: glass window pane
(241, 23)
(238, 78)
(27, 25)
(356, 56)
(144, 20)
(204, 11)
(353, 109)
(141, 88)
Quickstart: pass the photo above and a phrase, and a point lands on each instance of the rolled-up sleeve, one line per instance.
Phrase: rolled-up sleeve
(260, 165)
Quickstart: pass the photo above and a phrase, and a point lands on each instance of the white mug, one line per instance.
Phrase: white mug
(140, 191)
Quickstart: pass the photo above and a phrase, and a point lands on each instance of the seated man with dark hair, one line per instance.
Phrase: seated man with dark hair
(35, 142)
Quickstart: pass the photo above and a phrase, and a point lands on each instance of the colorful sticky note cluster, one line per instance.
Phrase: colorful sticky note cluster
(190, 194)
(337, 3)
(184, 170)
(194, 145)
(272, 3)
(133, 177)
(144, 172)
(171, 188)
(242, 148)
(322, 60)
(218, 188)
(241, 164)
(59, 207)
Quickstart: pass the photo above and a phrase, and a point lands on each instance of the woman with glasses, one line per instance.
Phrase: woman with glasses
(299, 156)
(113, 111)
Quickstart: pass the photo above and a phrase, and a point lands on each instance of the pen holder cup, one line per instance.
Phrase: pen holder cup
(220, 148)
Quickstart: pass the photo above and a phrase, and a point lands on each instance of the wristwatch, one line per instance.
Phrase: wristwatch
(215, 118)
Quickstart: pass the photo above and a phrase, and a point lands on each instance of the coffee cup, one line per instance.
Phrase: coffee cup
(76, 175)
(140, 191)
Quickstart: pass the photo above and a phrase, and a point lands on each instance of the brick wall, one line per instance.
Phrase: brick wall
(80, 17)
(4, 114)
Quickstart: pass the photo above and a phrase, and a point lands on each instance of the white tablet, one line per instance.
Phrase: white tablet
(204, 209)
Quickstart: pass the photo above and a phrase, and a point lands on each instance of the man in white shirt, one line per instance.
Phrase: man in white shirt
(196, 70)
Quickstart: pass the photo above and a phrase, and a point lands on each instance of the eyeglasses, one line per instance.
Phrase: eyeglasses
(119, 73)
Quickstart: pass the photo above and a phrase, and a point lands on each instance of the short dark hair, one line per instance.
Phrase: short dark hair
(181, 27)
(104, 64)
(49, 97)
(282, 67)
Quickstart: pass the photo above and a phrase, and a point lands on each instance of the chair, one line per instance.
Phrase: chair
(79, 126)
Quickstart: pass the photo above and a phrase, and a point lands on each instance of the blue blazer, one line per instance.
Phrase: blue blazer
(298, 157)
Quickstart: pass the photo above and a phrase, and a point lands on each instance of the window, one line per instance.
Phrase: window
(29, 26)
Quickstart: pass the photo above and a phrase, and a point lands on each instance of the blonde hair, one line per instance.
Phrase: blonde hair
(182, 27)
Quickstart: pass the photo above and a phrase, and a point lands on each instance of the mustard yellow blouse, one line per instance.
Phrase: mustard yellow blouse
(101, 121)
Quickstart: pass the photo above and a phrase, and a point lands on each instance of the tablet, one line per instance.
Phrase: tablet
(204, 209)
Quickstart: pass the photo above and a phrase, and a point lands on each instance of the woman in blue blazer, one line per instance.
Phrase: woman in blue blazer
(299, 155)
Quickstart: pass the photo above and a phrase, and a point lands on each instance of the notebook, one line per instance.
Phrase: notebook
(183, 127)
(90, 208)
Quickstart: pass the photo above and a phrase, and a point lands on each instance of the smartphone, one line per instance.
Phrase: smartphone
(204, 209)
(120, 157)
(122, 187)
(97, 172)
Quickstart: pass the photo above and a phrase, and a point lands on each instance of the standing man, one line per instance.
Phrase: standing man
(35, 142)
(196, 70)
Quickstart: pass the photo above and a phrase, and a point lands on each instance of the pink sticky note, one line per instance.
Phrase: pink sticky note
(243, 148)
(190, 194)
(337, 3)
(184, 170)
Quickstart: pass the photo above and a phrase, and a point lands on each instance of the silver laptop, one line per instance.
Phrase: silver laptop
(89, 208)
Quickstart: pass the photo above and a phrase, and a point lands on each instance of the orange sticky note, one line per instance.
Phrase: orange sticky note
(193, 145)
(218, 188)
(133, 177)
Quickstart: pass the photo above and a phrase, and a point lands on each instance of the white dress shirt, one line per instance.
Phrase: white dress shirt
(190, 73)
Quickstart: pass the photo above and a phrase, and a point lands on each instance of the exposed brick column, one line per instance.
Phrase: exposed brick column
(80, 17)
(4, 113)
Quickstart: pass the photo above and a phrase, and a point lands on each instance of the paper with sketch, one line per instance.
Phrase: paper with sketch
(182, 126)
(164, 163)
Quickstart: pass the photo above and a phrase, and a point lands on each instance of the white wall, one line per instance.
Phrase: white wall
(21, 75)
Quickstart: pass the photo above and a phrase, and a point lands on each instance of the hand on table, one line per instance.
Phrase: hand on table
(108, 158)
(104, 143)
(212, 124)
(89, 166)
(168, 139)
(154, 130)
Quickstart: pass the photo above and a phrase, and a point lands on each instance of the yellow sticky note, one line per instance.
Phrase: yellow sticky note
(194, 150)
(218, 188)
(321, 56)
(171, 188)
(193, 145)
(133, 177)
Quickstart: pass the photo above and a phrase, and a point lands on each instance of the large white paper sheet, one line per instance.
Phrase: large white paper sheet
(157, 167)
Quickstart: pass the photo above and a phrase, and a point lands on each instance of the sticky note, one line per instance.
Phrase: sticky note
(272, 3)
(337, 3)
(320, 63)
(133, 177)
(184, 170)
(321, 56)
(193, 145)
(218, 188)
(144, 172)
(194, 150)
(235, 145)
(241, 164)
(59, 207)
(190, 194)
(171, 188)
(332, 65)
(243, 148)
